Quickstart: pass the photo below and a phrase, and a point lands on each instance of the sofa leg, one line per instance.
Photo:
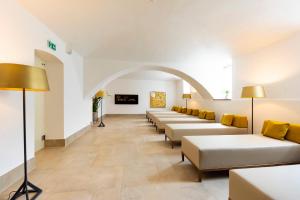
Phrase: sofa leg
(172, 144)
(182, 157)
(200, 176)
(165, 137)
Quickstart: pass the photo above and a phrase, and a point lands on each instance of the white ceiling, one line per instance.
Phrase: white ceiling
(166, 30)
(151, 75)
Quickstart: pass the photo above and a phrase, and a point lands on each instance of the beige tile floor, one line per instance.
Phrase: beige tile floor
(126, 160)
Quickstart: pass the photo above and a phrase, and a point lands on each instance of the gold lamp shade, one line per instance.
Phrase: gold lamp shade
(253, 92)
(19, 77)
(186, 96)
(101, 93)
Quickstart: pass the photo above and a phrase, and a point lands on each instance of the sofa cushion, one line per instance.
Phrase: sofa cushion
(293, 133)
(210, 115)
(227, 119)
(276, 130)
(195, 112)
(240, 121)
(202, 114)
(266, 122)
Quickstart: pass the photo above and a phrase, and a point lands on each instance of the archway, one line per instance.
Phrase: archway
(49, 107)
(195, 84)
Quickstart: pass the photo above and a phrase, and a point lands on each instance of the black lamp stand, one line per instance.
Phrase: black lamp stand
(252, 115)
(26, 186)
(101, 118)
(186, 103)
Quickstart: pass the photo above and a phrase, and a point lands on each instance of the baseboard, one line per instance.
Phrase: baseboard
(118, 115)
(54, 142)
(11, 177)
(77, 135)
(65, 142)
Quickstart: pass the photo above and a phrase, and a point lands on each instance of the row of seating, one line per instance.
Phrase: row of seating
(228, 146)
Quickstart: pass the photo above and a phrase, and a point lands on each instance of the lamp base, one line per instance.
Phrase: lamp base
(101, 124)
(25, 189)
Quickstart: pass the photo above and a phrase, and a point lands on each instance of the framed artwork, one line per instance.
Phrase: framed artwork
(157, 99)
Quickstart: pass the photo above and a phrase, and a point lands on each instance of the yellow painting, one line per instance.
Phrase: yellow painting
(157, 99)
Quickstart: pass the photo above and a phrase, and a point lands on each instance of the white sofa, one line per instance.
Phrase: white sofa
(156, 118)
(265, 183)
(212, 153)
(150, 115)
(161, 122)
(175, 132)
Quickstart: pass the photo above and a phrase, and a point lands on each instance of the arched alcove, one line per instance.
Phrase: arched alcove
(195, 84)
(49, 110)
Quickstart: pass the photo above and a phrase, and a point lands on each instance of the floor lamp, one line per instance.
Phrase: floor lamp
(23, 78)
(186, 97)
(101, 95)
(253, 92)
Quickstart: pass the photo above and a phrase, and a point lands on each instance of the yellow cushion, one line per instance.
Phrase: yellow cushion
(266, 122)
(202, 114)
(195, 112)
(183, 110)
(189, 111)
(240, 121)
(276, 130)
(293, 133)
(179, 109)
(173, 108)
(227, 119)
(210, 115)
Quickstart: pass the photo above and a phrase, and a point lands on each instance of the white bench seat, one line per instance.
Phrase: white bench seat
(223, 152)
(265, 183)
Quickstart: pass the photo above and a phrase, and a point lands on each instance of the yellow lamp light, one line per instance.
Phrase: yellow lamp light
(253, 92)
(186, 97)
(19, 77)
(23, 78)
(101, 94)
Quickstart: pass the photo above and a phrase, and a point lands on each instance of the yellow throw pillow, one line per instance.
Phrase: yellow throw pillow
(276, 130)
(173, 108)
(195, 112)
(293, 133)
(202, 114)
(210, 115)
(183, 110)
(240, 121)
(189, 111)
(227, 119)
(179, 109)
(266, 122)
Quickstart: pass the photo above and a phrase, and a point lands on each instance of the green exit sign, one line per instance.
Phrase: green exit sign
(51, 45)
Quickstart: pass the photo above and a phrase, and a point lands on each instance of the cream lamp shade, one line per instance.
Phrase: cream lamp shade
(19, 77)
(253, 92)
(101, 94)
(186, 96)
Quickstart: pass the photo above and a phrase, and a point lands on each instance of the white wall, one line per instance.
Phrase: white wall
(20, 35)
(143, 89)
(277, 68)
